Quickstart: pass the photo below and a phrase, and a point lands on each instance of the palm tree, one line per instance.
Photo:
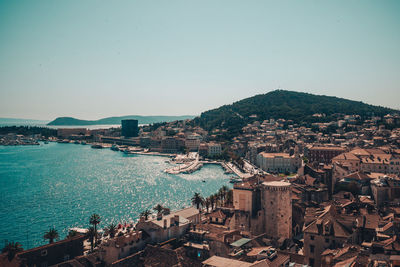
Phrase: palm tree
(158, 208)
(112, 229)
(51, 235)
(12, 249)
(229, 197)
(197, 199)
(146, 213)
(95, 220)
(212, 201)
(72, 233)
(207, 203)
(224, 189)
(91, 235)
(217, 199)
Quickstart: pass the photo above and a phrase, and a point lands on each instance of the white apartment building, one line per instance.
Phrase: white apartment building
(214, 149)
(278, 162)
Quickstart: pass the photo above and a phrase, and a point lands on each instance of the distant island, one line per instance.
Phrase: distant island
(117, 120)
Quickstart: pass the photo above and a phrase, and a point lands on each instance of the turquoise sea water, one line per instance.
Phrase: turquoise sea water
(61, 185)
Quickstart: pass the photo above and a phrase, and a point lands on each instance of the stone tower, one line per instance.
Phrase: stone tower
(277, 205)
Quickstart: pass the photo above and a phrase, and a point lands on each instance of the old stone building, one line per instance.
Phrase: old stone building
(263, 207)
(277, 205)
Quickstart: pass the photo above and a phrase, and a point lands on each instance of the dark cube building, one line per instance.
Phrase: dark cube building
(130, 128)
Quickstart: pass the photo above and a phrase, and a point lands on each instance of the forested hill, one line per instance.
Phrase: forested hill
(288, 105)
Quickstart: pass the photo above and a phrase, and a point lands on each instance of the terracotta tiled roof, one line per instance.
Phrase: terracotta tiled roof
(217, 214)
(357, 176)
(329, 216)
(346, 156)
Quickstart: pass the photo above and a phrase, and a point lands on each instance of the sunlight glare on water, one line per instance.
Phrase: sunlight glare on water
(61, 185)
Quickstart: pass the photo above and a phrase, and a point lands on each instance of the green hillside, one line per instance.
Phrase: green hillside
(288, 105)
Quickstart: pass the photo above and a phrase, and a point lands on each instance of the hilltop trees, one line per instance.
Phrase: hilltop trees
(288, 105)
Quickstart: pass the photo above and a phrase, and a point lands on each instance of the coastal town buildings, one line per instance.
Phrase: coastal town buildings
(324, 154)
(278, 162)
(214, 149)
(333, 201)
(165, 227)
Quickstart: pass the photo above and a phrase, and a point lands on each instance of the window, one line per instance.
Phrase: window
(312, 237)
(43, 253)
(312, 248)
(326, 240)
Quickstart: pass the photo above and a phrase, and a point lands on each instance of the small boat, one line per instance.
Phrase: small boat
(97, 146)
(46, 142)
(76, 142)
(204, 181)
(115, 147)
(83, 143)
(233, 180)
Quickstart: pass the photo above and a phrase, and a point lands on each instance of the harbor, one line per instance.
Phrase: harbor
(113, 184)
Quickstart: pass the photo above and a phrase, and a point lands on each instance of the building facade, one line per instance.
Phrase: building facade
(324, 154)
(278, 162)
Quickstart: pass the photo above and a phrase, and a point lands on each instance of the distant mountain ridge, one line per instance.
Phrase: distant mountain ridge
(296, 106)
(69, 121)
(17, 121)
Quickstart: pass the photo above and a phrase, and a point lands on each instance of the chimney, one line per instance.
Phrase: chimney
(172, 221)
(165, 223)
(176, 217)
(159, 216)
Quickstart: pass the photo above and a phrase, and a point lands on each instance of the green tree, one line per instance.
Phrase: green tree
(229, 197)
(158, 208)
(91, 235)
(222, 192)
(212, 201)
(207, 203)
(197, 200)
(146, 213)
(112, 229)
(94, 220)
(12, 248)
(51, 235)
(72, 233)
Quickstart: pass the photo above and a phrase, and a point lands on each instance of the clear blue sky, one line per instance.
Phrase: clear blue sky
(92, 59)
